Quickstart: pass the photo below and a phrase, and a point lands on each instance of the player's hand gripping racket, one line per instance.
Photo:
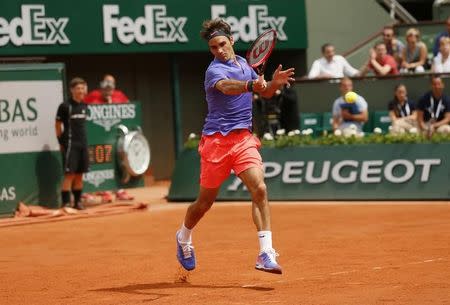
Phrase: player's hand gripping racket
(260, 50)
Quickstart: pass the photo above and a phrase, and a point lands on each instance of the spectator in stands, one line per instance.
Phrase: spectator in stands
(441, 63)
(433, 109)
(402, 111)
(437, 40)
(347, 116)
(414, 56)
(380, 62)
(331, 65)
(394, 47)
(107, 93)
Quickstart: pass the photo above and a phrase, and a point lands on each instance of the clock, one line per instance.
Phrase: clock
(133, 152)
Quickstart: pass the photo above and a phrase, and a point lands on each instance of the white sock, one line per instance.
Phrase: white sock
(265, 240)
(185, 235)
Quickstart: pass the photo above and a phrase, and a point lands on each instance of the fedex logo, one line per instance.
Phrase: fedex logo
(256, 22)
(33, 28)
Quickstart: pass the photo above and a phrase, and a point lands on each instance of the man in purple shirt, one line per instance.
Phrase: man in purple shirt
(227, 142)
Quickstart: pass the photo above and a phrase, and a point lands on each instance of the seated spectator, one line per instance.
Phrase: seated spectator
(414, 55)
(107, 94)
(347, 114)
(437, 40)
(402, 111)
(394, 47)
(380, 62)
(331, 65)
(433, 109)
(441, 63)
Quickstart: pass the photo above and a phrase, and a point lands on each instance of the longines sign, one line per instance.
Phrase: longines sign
(53, 27)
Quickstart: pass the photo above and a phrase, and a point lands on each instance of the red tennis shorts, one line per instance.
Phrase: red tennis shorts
(220, 154)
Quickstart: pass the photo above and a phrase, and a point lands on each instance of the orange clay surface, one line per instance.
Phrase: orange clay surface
(361, 253)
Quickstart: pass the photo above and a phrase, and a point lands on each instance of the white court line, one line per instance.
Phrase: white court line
(343, 272)
(318, 203)
(316, 277)
(170, 206)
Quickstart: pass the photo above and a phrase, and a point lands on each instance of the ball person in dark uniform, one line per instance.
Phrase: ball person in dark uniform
(71, 133)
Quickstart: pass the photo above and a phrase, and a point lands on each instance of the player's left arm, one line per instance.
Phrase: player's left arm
(280, 78)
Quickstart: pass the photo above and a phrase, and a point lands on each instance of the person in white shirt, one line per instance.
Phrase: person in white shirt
(331, 65)
(441, 62)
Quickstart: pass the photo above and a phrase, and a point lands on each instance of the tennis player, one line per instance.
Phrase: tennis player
(227, 142)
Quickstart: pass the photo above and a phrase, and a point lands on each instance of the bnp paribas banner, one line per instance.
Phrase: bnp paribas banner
(29, 152)
(355, 172)
(119, 26)
(26, 112)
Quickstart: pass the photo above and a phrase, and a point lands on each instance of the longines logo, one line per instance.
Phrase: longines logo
(97, 178)
(108, 116)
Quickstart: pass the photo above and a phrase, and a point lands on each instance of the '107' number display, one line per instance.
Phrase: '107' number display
(100, 153)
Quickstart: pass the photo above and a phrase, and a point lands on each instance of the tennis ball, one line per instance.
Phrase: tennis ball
(350, 97)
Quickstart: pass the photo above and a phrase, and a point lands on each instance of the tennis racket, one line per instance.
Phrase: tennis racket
(260, 50)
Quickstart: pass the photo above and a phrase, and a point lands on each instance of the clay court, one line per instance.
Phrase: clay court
(358, 253)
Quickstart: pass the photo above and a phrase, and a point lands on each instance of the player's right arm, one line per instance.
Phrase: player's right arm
(59, 122)
(58, 128)
(231, 86)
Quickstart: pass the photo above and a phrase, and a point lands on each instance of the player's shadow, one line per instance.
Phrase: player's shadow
(146, 289)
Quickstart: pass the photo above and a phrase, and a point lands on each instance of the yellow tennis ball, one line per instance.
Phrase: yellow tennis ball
(350, 97)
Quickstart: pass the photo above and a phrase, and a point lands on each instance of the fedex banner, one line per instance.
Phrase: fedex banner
(53, 27)
(27, 115)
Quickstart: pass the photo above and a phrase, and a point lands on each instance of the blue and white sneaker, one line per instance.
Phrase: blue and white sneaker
(185, 254)
(267, 262)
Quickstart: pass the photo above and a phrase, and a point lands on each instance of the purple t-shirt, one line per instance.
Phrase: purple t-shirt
(227, 112)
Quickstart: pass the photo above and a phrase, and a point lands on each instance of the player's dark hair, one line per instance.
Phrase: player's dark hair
(77, 81)
(324, 46)
(211, 26)
(398, 86)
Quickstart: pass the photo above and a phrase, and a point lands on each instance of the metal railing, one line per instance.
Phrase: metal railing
(397, 11)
